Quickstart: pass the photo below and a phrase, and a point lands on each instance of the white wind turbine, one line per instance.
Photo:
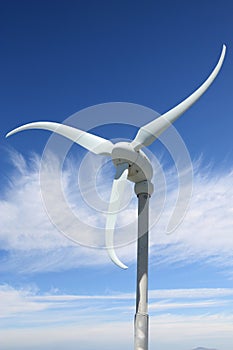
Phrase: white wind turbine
(131, 164)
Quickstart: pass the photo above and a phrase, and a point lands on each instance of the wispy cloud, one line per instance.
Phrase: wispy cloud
(32, 243)
(206, 232)
(28, 300)
(92, 322)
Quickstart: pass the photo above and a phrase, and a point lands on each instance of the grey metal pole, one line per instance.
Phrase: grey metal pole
(141, 323)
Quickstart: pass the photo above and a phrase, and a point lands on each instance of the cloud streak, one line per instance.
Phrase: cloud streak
(206, 232)
(32, 243)
(27, 300)
(63, 320)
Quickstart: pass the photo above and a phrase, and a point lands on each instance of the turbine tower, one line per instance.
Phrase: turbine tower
(131, 164)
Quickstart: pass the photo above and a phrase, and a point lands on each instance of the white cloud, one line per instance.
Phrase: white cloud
(34, 321)
(187, 332)
(114, 335)
(176, 332)
(206, 232)
(191, 293)
(32, 243)
(28, 300)
(14, 302)
(94, 336)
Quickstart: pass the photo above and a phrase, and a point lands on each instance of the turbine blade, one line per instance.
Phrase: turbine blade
(114, 206)
(93, 143)
(151, 131)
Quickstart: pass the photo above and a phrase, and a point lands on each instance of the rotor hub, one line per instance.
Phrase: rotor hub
(140, 168)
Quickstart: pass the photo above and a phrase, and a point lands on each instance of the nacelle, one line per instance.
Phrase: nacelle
(140, 168)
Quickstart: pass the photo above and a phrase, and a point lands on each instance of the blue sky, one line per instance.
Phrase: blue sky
(58, 58)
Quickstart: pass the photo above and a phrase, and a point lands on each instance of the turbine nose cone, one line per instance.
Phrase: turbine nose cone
(123, 152)
(140, 168)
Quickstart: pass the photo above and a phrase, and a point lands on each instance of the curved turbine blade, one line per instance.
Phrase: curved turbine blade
(149, 132)
(93, 143)
(114, 206)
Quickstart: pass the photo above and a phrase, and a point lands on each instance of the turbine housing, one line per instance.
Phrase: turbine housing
(140, 168)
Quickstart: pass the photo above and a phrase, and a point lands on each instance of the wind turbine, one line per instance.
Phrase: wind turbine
(131, 164)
